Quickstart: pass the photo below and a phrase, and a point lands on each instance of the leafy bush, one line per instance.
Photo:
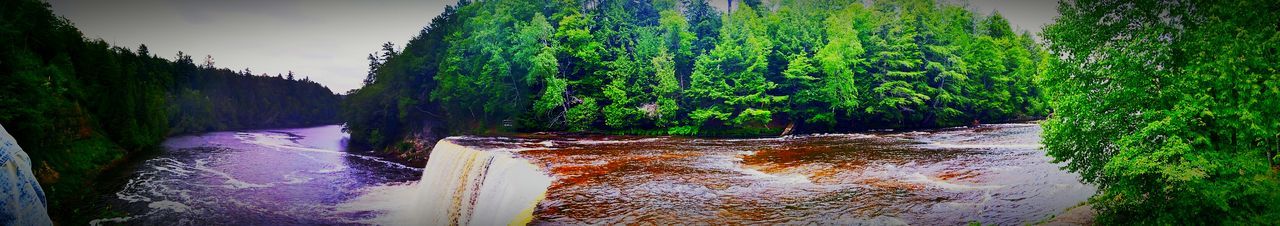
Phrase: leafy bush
(1174, 118)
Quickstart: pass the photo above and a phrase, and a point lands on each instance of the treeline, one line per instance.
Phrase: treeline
(1171, 107)
(685, 68)
(206, 98)
(76, 105)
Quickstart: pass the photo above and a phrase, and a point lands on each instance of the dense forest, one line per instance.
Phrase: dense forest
(668, 67)
(1170, 107)
(76, 105)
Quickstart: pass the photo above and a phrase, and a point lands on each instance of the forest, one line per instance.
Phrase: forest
(668, 67)
(77, 105)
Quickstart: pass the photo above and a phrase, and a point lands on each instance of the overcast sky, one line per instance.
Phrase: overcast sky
(326, 40)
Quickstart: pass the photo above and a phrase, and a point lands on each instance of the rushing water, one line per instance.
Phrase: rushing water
(267, 177)
(993, 174)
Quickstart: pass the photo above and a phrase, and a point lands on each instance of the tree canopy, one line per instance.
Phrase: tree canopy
(1170, 107)
(684, 68)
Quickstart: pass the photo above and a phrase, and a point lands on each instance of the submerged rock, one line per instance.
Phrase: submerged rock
(22, 202)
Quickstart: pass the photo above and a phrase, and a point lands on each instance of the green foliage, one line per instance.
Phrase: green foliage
(679, 42)
(480, 84)
(76, 105)
(666, 90)
(704, 22)
(631, 83)
(730, 80)
(684, 68)
(191, 111)
(834, 91)
(552, 96)
(536, 40)
(584, 115)
(1173, 119)
(408, 75)
(579, 44)
(203, 99)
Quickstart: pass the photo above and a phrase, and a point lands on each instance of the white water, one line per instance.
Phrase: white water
(461, 186)
(298, 176)
(993, 175)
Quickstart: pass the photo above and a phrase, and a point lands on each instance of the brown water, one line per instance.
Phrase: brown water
(994, 174)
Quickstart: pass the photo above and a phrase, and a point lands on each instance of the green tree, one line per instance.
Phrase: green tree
(704, 22)
(1168, 108)
(678, 41)
(897, 92)
(536, 49)
(641, 66)
(477, 85)
(77, 106)
(841, 60)
(580, 49)
(944, 35)
(667, 90)
(728, 83)
(583, 116)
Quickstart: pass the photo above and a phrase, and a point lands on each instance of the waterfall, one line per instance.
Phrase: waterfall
(466, 186)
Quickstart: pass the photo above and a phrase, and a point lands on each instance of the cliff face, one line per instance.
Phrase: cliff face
(415, 148)
(22, 202)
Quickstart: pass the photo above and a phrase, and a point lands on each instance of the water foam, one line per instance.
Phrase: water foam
(460, 186)
(279, 142)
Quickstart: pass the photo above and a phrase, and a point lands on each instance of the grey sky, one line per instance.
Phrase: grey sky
(1029, 15)
(326, 40)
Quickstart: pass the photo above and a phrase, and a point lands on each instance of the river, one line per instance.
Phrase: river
(262, 177)
(995, 174)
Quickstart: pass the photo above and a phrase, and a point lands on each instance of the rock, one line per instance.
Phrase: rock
(787, 131)
(22, 202)
(1079, 215)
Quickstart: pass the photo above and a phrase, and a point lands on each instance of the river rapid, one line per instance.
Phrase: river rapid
(263, 177)
(994, 174)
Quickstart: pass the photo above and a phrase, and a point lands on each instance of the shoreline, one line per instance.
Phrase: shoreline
(1082, 214)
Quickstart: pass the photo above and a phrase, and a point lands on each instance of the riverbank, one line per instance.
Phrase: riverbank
(69, 175)
(84, 205)
(1082, 214)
